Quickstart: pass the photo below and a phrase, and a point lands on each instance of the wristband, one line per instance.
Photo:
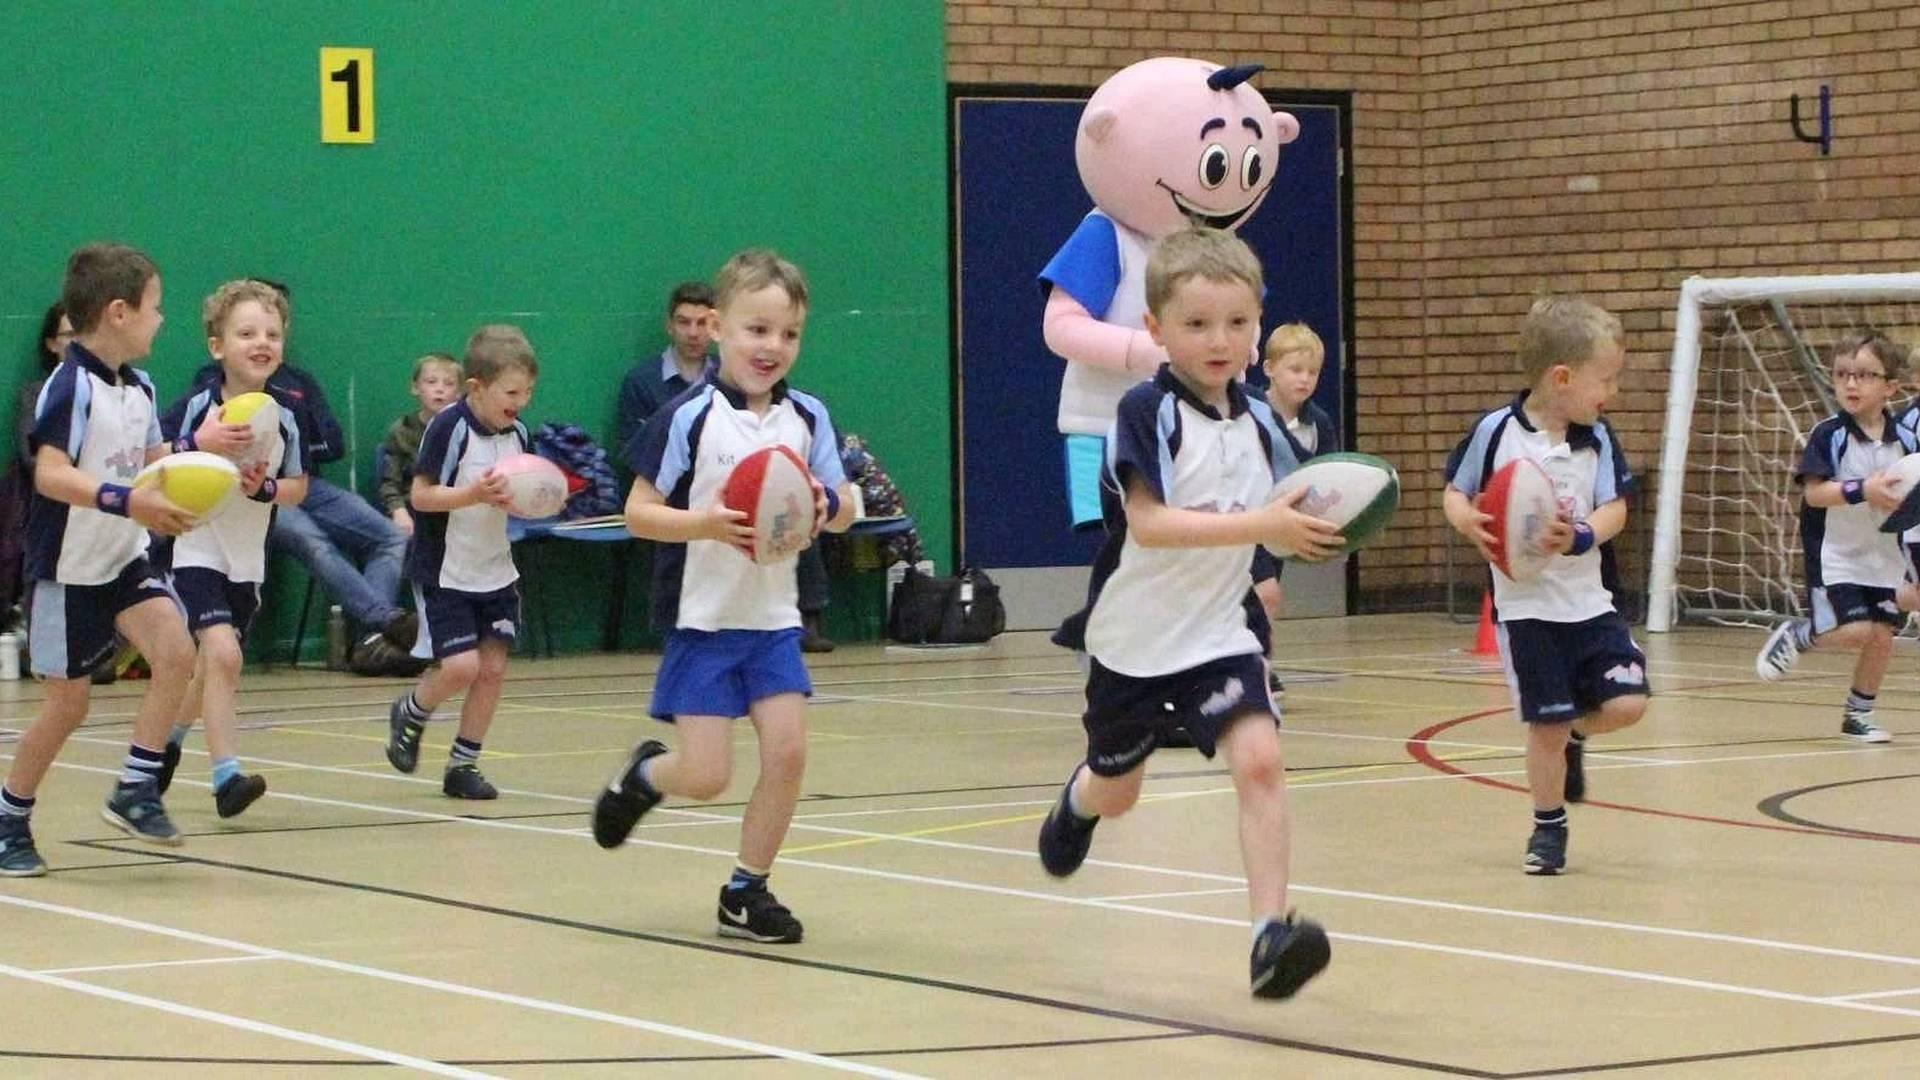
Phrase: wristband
(185, 443)
(833, 503)
(1854, 491)
(1582, 538)
(268, 488)
(113, 499)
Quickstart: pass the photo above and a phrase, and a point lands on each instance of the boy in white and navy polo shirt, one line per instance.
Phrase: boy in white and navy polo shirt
(94, 428)
(460, 563)
(1190, 461)
(1571, 663)
(732, 625)
(1854, 570)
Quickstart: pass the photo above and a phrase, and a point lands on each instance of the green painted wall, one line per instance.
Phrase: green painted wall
(557, 164)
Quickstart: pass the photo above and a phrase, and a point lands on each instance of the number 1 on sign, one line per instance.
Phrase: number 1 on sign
(346, 95)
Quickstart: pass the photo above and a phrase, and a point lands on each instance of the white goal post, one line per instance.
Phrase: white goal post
(1766, 344)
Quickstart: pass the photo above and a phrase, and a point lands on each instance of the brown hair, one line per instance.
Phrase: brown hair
(497, 348)
(220, 305)
(1565, 330)
(1213, 254)
(1891, 354)
(756, 269)
(99, 274)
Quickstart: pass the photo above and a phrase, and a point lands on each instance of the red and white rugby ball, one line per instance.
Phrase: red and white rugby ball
(536, 488)
(774, 489)
(1523, 504)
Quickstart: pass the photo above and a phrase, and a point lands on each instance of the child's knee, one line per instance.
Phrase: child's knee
(171, 653)
(786, 758)
(491, 666)
(461, 668)
(1622, 711)
(704, 778)
(221, 654)
(1256, 762)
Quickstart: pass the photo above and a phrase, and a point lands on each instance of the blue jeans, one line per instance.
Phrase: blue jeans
(332, 530)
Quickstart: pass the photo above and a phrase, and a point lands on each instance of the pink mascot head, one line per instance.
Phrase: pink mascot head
(1170, 141)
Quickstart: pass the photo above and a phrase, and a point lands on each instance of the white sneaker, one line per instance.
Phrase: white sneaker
(1860, 728)
(1779, 654)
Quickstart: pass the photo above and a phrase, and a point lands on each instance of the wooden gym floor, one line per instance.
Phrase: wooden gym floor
(1737, 902)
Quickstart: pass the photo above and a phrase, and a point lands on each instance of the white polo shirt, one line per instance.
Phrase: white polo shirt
(104, 420)
(234, 541)
(464, 549)
(1844, 545)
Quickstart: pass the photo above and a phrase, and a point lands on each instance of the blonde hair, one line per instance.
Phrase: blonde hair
(1212, 254)
(1891, 354)
(755, 269)
(220, 305)
(1565, 330)
(421, 365)
(1294, 337)
(497, 348)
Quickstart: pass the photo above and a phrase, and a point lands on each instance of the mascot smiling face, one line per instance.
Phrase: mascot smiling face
(1172, 141)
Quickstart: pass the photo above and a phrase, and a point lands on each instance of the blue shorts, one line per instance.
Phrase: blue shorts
(1560, 671)
(70, 627)
(210, 598)
(1126, 716)
(723, 672)
(452, 621)
(1086, 458)
(1837, 605)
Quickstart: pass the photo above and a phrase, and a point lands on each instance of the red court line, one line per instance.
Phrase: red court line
(1418, 749)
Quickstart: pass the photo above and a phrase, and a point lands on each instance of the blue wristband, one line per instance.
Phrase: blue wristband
(1854, 491)
(833, 503)
(113, 499)
(1582, 538)
(185, 443)
(268, 488)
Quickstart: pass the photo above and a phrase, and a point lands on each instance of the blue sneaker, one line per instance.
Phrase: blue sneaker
(1546, 851)
(135, 809)
(1780, 652)
(1065, 837)
(403, 737)
(17, 855)
(1286, 955)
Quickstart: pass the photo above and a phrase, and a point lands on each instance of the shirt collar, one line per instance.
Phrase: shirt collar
(670, 365)
(1166, 380)
(1887, 432)
(1579, 436)
(84, 357)
(737, 398)
(473, 421)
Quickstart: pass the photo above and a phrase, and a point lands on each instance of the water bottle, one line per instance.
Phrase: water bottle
(9, 656)
(336, 638)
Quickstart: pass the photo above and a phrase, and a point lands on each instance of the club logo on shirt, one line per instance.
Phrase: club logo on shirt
(1224, 698)
(126, 463)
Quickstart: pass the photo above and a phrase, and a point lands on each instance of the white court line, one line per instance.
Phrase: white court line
(153, 964)
(1166, 895)
(421, 982)
(1875, 994)
(258, 1027)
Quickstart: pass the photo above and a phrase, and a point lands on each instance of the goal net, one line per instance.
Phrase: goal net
(1749, 381)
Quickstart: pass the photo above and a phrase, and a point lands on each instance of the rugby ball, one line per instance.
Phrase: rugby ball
(1906, 484)
(1357, 493)
(1521, 499)
(774, 489)
(536, 488)
(260, 413)
(195, 481)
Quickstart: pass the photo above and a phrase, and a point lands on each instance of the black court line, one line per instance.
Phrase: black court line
(1724, 1055)
(157, 860)
(1774, 806)
(452, 819)
(1186, 1027)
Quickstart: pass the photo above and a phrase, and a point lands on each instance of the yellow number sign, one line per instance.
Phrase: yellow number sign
(346, 95)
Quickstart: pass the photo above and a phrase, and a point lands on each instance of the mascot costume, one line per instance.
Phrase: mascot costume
(1163, 144)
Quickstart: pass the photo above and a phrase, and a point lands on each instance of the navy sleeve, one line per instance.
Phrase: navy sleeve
(662, 453)
(436, 445)
(1467, 464)
(638, 401)
(1087, 266)
(1821, 459)
(1142, 440)
(293, 459)
(60, 416)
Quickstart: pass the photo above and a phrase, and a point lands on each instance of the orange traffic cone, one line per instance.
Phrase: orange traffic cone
(1486, 643)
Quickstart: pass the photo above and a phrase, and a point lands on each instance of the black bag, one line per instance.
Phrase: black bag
(960, 610)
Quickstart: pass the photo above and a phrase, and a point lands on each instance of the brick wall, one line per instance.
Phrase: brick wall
(1471, 117)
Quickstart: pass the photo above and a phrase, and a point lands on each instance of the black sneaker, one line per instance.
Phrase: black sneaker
(169, 761)
(136, 810)
(1576, 789)
(1275, 688)
(619, 807)
(755, 915)
(18, 856)
(1064, 837)
(465, 782)
(238, 793)
(403, 737)
(1546, 851)
(401, 630)
(812, 640)
(1286, 955)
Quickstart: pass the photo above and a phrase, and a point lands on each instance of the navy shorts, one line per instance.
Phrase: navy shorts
(210, 598)
(453, 621)
(1559, 671)
(1265, 566)
(1834, 606)
(70, 627)
(723, 672)
(1127, 716)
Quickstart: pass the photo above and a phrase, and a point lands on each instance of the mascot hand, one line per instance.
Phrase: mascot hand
(1073, 333)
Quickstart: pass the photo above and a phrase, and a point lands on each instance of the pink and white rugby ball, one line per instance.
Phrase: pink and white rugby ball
(774, 489)
(1523, 504)
(536, 488)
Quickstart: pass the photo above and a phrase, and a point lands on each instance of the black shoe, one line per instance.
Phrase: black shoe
(403, 737)
(1275, 688)
(401, 630)
(169, 761)
(238, 793)
(377, 657)
(619, 807)
(18, 856)
(755, 915)
(1286, 955)
(811, 639)
(1576, 790)
(136, 810)
(1065, 837)
(465, 782)
(1546, 851)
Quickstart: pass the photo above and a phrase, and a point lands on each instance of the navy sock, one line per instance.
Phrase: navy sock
(744, 878)
(1555, 818)
(413, 710)
(464, 752)
(1859, 701)
(15, 805)
(140, 766)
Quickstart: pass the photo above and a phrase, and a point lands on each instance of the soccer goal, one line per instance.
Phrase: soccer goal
(1749, 381)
